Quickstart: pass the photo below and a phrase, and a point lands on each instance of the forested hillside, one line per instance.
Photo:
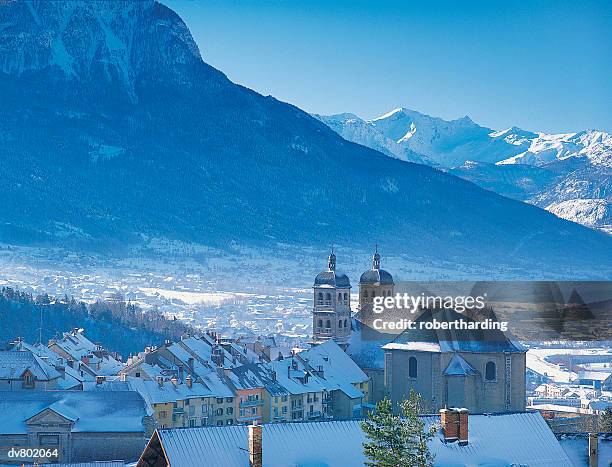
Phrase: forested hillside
(119, 326)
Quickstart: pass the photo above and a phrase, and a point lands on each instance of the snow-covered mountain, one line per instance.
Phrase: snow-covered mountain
(552, 171)
(113, 129)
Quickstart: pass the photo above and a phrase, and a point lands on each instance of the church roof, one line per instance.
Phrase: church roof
(454, 340)
(332, 279)
(377, 277)
(458, 366)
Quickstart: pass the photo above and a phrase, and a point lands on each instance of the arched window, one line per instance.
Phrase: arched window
(339, 296)
(320, 297)
(345, 296)
(345, 323)
(373, 294)
(340, 324)
(328, 324)
(328, 297)
(490, 372)
(412, 367)
(320, 323)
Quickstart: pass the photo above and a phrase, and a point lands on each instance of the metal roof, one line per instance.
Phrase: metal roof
(494, 440)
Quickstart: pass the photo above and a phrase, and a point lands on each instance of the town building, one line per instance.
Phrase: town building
(22, 370)
(94, 358)
(81, 425)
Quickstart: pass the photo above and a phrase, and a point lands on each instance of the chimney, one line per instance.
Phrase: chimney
(463, 426)
(449, 419)
(593, 440)
(189, 381)
(255, 449)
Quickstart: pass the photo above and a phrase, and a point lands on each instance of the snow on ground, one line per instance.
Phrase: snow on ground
(589, 212)
(537, 360)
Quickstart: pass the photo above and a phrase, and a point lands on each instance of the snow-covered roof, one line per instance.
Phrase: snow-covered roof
(72, 375)
(458, 366)
(594, 375)
(95, 412)
(335, 362)
(365, 345)
(13, 363)
(457, 340)
(494, 440)
(256, 375)
(76, 345)
(576, 446)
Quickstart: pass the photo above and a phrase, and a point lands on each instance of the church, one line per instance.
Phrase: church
(483, 371)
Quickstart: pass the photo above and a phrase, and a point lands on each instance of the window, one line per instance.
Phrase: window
(229, 411)
(328, 324)
(229, 400)
(204, 422)
(192, 422)
(320, 297)
(138, 374)
(284, 409)
(48, 439)
(320, 323)
(204, 409)
(28, 380)
(346, 323)
(327, 298)
(412, 367)
(219, 422)
(339, 296)
(230, 421)
(345, 296)
(340, 323)
(373, 294)
(219, 411)
(490, 371)
(219, 400)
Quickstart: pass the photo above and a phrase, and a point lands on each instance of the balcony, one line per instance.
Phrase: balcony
(297, 408)
(314, 415)
(253, 403)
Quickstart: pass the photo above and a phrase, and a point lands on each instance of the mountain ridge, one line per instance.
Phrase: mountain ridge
(179, 151)
(550, 169)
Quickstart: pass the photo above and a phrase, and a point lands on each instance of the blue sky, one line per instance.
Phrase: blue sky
(540, 65)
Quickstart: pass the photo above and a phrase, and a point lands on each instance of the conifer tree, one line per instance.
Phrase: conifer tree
(398, 440)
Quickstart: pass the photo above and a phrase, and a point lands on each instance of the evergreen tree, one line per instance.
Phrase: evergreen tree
(605, 421)
(398, 440)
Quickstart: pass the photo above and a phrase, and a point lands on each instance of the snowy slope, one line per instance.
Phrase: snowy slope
(539, 168)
